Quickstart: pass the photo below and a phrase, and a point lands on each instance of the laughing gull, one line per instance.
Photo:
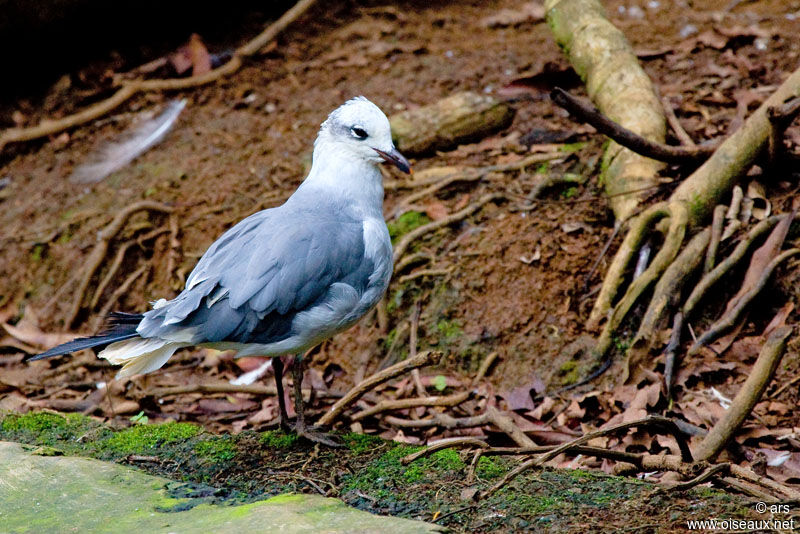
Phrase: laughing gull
(284, 279)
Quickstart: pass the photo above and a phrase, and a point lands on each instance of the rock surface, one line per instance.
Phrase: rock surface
(40, 493)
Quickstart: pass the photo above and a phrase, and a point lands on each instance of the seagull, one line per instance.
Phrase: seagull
(284, 279)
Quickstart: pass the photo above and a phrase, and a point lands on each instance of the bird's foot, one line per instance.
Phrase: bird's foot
(316, 436)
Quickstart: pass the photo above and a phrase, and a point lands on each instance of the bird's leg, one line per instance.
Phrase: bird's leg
(297, 375)
(300, 425)
(277, 367)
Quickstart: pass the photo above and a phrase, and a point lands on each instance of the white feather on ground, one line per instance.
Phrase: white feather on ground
(127, 146)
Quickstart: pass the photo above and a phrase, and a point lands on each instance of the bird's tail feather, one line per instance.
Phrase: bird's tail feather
(122, 326)
(140, 356)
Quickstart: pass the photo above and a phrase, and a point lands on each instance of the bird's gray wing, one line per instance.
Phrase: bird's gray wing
(257, 276)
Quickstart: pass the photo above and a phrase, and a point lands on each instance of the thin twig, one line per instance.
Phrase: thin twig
(422, 359)
(484, 368)
(424, 272)
(589, 114)
(703, 477)
(224, 387)
(413, 340)
(415, 234)
(676, 125)
(404, 404)
(658, 422)
(490, 416)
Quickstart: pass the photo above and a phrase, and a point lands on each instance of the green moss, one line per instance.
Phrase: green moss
(390, 337)
(142, 438)
(572, 147)
(569, 192)
(405, 223)
(382, 476)
(395, 301)
(283, 499)
(361, 443)
(277, 439)
(216, 449)
(537, 504)
(45, 428)
(570, 372)
(385, 477)
(490, 467)
(36, 254)
(448, 330)
(621, 344)
(697, 206)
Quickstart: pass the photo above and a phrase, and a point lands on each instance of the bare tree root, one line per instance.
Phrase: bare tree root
(117, 263)
(780, 117)
(666, 294)
(727, 264)
(641, 145)
(717, 223)
(551, 181)
(100, 249)
(619, 87)
(669, 250)
(130, 88)
(686, 208)
(424, 272)
(484, 368)
(748, 475)
(671, 353)
(637, 233)
(729, 319)
(420, 360)
(747, 397)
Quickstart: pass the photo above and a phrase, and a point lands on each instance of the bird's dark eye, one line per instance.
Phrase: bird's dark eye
(358, 133)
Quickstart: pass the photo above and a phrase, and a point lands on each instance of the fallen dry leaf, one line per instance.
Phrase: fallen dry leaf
(27, 332)
(436, 210)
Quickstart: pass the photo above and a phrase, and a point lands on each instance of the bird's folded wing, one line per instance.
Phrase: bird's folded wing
(267, 265)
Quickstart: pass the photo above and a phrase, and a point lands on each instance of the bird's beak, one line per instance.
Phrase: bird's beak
(395, 158)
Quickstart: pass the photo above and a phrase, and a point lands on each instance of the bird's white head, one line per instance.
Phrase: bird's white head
(359, 128)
